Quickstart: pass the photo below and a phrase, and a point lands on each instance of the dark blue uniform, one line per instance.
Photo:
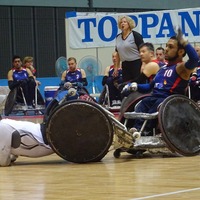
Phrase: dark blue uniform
(19, 74)
(73, 77)
(195, 84)
(166, 82)
(27, 84)
(114, 92)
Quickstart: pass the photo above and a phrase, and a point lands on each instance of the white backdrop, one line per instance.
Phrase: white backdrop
(94, 33)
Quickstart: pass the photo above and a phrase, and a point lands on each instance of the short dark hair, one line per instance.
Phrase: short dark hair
(148, 45)
(160, 48)
(180, 46)
(71, 58)
(16, 57)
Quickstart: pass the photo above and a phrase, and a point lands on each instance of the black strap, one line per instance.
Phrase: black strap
(138, 38)
(43, 131)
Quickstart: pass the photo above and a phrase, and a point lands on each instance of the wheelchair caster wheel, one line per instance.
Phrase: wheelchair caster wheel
(117, 153)
(139, 154)
(136, 135)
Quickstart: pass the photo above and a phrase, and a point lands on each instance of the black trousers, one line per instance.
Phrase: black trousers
(131, 70)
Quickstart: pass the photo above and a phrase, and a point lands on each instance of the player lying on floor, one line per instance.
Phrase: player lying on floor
(21, 138)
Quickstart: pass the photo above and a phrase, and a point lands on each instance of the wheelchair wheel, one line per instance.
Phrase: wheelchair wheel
(128, 105)
(179, 123)
(102, 97)
(40, 100)
(10, 101)
(72, 132)
(50, 108)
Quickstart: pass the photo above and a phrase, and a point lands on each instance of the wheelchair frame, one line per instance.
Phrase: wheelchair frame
(12, 107)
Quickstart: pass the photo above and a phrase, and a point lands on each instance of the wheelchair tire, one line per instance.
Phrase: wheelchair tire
(179, 123)
(49, 109)
(102, 97)
(40, 100)
(128, 105)
(71, 131)
(10, 101)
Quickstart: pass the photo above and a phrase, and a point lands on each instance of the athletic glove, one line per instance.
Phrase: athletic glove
(23, 82)
(67, 85)
(130, 87)
(79, 84)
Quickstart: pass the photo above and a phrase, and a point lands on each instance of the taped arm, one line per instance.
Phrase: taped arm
(193, 57)
(143, 88)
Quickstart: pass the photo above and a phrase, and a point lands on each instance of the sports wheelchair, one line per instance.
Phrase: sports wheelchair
(65, 94)
(16, 102)
(83, 131)
(104, 100)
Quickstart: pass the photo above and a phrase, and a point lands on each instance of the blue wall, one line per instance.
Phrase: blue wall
(93, 86)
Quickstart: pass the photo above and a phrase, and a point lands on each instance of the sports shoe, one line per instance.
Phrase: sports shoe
(119, 102)
(114, 102)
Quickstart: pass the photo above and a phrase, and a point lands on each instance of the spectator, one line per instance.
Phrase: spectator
(28, 63)
(113, 77)
(18, 76)
(171, 79)
(160, 56)
(127, 45)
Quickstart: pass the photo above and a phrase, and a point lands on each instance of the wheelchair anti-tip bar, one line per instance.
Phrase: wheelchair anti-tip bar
(136, 115)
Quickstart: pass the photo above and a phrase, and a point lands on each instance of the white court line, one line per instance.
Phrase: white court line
(165, 194)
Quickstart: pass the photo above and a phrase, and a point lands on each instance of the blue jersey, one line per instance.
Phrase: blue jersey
(111, 71)
(168, 82)
(20, 74)
(73, 77)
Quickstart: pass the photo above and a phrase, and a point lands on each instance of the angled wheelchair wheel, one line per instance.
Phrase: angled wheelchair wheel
(49, 109)
(179, 123)
(10, 101)
(79, 131)
(128, 105)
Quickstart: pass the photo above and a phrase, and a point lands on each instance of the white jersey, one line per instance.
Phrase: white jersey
(32, 143)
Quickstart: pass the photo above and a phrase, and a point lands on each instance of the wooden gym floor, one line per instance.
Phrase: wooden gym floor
(125, 178)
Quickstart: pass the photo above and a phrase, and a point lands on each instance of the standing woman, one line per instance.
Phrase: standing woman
(127, 45)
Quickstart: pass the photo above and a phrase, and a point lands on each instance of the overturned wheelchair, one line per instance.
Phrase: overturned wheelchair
(82, 131)
(16, 102)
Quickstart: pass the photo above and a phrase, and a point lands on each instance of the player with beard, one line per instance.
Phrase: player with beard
(170, 79)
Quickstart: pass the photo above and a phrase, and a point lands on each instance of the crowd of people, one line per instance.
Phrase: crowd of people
(136, 66)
